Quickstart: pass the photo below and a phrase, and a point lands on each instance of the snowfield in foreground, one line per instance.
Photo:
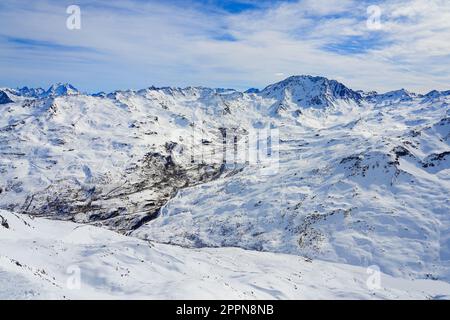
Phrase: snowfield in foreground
(40, 259)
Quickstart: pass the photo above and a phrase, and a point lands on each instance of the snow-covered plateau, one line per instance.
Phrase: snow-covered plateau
(160, 192)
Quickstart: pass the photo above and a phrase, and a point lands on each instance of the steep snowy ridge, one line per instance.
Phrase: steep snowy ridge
(391, 97)
(30, 92)
(363, 178)
(4, 98)
(434, 94)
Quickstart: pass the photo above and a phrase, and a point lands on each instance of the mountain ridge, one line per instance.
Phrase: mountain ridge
(65, 88)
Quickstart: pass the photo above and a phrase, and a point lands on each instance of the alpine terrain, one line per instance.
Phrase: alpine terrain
(304, 189)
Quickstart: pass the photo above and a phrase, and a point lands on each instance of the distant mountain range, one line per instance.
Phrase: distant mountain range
(312, 90)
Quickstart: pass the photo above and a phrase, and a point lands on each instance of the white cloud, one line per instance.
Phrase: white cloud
(136, 44)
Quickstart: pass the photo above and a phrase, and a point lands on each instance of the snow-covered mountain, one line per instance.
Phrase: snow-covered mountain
(31, 92)
(362, 178)
(308, 91)
(4, 98)
(299, 92)
(59, 89)
(55, 90)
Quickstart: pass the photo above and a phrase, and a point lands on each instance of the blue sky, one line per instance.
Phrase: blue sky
(241, 43)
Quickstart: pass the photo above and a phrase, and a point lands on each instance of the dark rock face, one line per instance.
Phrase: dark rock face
(436, 159)
(4, 222)
(4, 98)
(400, 151)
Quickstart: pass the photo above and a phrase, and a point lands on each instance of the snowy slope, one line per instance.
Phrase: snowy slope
(363, 179)
(41, 259)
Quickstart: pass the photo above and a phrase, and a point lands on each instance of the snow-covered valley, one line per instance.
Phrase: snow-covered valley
(360, 179)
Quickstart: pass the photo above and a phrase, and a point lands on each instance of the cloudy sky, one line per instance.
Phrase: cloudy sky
(237, 44)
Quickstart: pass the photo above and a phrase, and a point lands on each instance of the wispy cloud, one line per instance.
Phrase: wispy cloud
(31, 44)
(136, 43)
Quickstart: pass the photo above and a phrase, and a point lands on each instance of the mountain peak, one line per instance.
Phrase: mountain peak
(305, 77)
(4, 98)
(61, 89)
(310, 91)
(30, 92)
(436, 94)
(393, 96)
(402, 92)
(252, 90)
